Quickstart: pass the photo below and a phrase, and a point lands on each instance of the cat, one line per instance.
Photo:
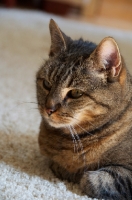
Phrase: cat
(84, 94)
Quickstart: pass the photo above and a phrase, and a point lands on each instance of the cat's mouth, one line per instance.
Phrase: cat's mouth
(55, 119)
(58, 120)
(61, 119)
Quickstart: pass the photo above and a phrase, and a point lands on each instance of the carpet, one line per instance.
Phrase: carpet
(24, 44)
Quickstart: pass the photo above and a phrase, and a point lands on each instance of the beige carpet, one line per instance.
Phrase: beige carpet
(24, 43)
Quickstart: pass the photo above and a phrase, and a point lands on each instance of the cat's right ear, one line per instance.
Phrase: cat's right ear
(58, 39)
(108, 56)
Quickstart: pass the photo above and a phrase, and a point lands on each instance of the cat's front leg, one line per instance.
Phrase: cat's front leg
(63, 174)
(57, 170)
(110, 183)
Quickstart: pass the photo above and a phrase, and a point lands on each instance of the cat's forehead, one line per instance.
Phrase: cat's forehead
(65, 69)
(66, 75)
(73, 75)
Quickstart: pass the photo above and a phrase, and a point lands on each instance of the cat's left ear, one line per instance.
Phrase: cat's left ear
(59, 40)
(108, 56)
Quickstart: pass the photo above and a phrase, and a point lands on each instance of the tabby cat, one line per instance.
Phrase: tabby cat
(84, 94)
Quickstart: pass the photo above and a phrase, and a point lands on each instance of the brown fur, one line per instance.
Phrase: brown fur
(88, 139)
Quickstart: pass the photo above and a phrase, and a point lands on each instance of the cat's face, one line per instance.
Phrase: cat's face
(63, 93)
(69, 85)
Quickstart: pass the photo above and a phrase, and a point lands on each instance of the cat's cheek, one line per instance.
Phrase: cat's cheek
(43, 113)
(81, 118)
(89, 114)
(84, 114)
(41, 110)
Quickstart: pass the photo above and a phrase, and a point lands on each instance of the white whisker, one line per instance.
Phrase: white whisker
(87, 121)
(74, 140)
(80, 144)
(83, 129)
(79, 120)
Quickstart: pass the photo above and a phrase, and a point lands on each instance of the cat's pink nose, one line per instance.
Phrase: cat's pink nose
(50, 111)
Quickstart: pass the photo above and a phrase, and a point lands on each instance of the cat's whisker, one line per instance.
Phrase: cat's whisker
(81, 126)
(28, 102)
(34, 108)
(74, 140)
(18, 104)
(83, 129)
(87, 121)
(78, 119)
(80, 144)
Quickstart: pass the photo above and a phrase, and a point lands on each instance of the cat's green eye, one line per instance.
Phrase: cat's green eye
(46, 85)
(75, 93)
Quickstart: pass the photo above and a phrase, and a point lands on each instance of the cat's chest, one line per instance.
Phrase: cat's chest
(70, 154)
(76, 154)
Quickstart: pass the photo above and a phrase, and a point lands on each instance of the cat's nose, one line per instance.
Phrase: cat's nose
(52, 109)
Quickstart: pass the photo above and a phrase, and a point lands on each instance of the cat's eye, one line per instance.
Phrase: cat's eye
(75, 93)
(46, 85)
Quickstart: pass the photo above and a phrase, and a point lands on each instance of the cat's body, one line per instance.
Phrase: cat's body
(84, 95)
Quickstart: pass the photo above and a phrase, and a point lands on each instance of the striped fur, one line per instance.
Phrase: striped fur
(87, 137)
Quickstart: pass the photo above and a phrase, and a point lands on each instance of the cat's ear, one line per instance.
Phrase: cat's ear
(58, 39)
(108, 56)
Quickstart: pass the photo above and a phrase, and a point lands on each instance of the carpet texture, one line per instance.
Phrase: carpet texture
(24, 44)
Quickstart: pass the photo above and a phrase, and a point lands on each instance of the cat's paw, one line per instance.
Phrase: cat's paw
(91, 183)
(105, 184)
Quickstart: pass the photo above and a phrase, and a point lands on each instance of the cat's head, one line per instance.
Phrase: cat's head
(80, 82)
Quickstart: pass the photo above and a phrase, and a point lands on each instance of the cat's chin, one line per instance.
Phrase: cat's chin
(55, 124)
